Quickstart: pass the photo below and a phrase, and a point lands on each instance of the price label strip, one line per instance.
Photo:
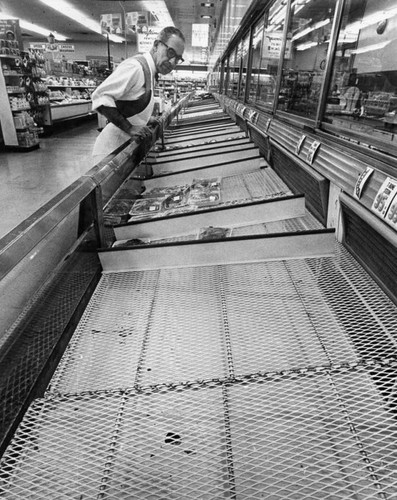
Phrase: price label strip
(300, 144)
(312, 151)
(361, 180)
(384, 197)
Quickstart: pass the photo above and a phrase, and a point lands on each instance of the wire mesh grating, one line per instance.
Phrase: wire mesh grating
(320, 434)
(170, 325)
(232, 381)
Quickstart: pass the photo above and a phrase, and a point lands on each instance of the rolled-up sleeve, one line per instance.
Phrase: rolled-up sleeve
(126, 83)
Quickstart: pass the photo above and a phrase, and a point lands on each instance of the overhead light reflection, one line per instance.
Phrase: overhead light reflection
(65, 8)
(316, 26)
(34, 28)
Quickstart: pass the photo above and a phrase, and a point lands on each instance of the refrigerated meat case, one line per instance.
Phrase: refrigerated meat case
(258, 362)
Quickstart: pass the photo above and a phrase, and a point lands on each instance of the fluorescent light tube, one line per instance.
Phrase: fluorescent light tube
(35, 28)
(67, 10)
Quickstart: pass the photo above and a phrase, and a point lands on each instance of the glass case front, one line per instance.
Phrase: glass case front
(305, 56)
(271, 53)
(244, 65)
(256, 51)
(362, 96)
(233, 75)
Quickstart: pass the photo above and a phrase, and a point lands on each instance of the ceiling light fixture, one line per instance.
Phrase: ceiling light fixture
(67, 10)
(206, 16)
(34, 28)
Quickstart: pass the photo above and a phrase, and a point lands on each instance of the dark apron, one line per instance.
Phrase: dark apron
(131, 108)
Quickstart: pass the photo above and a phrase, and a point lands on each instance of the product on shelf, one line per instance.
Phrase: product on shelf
(205, 192)
(177, 199)
(23, 120)
(28, 138)
(9, 47)
(146, 207)
(24, 96)
(213, 233)
(119, 206)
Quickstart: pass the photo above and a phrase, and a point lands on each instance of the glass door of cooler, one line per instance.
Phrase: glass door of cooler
(305, 54)
(362, 95)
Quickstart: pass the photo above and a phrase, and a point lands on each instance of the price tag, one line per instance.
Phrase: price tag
(361, 180)
(384, 197)
(300, 144)
(312, 151)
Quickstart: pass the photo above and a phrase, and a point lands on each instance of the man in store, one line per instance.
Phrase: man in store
(126, 97)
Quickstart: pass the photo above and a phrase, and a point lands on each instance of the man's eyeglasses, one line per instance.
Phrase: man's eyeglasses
(171, 54)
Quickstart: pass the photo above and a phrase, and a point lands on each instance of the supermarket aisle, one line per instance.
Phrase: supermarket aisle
(29, 180)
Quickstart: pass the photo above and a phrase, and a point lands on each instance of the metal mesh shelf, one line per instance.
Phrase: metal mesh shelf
(176, 325)
(259, 184)
(321, 434)
(267, 380)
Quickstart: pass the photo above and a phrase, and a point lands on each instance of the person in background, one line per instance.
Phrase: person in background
(126, 99)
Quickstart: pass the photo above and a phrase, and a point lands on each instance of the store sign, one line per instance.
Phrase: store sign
(37, 46)
(200, 35)
(10, 30)
(272, 45)
(52, 47)
(146, 40)
(66, 47)
(137, 22)
(111, 23)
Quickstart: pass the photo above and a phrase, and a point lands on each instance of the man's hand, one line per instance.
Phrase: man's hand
(154, 121)
(139, 134)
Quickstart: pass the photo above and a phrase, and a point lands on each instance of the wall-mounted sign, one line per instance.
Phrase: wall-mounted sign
(66, 47)
(37, 46)
(361, 180)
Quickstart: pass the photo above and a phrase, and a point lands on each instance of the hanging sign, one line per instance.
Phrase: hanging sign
(146, 40)
(137, 22)
(111, 23)
(200, 35)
